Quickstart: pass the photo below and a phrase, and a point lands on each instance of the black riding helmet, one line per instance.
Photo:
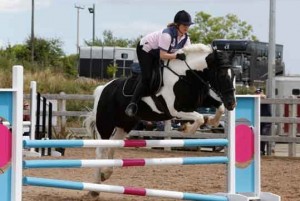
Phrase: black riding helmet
(183, 17)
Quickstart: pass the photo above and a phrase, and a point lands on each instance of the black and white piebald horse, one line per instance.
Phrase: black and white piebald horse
(186, 87)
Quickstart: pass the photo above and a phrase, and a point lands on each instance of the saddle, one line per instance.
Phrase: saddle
(154, 87)
(155, 84)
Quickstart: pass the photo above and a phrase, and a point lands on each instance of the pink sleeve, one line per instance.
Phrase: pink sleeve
(164, 41)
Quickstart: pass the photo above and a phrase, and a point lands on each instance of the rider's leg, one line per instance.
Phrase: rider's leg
(132, 108)
(146, 62)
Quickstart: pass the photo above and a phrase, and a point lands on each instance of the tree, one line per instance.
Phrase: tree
(47, 51)
(110, 40)
(208, 28)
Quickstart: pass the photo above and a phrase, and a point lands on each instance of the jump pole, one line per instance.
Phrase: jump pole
(33, 181)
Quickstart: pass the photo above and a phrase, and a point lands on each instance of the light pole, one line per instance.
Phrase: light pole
(271, 64)
(93, 11)
(271, 50)
(78, 9)
(32, 31)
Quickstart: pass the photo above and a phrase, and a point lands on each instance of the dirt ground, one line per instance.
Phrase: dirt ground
(279, 175)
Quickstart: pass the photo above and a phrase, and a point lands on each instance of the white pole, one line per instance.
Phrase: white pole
(257, 170)
(17, 130)
(78, 12)
(33, 109)
(231, 152)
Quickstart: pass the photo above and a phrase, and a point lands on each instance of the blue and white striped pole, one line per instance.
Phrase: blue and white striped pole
(32, 181)
(123, 143)
(123, 162)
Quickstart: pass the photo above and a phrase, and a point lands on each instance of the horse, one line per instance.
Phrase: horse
(187, 85)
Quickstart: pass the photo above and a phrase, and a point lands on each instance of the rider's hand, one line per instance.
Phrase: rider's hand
(181, 56)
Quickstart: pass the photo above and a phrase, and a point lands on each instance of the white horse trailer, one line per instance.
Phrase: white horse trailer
(93, 61)
(288, 87)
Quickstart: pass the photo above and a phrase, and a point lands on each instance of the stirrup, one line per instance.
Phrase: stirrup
(131, 109)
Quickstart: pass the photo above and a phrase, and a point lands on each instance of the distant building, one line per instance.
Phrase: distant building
(251, 59)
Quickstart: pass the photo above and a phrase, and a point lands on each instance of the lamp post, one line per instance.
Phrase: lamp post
(78, 9)
(93, 11)
(32, 31)
(271, 50)
(271, 64)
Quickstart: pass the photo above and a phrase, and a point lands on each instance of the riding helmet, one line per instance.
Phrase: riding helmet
(183, 17)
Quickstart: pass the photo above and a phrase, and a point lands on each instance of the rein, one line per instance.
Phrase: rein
(196, 75)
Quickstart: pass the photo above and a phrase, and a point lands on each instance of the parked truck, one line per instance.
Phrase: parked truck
(251, 59)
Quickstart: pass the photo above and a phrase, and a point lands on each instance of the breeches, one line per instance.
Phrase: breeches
(148, 62)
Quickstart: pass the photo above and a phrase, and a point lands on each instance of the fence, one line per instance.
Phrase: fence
(284, 130)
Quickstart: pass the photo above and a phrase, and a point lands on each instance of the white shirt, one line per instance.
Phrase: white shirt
(159, 40)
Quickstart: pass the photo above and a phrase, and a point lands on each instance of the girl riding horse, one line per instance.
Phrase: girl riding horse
(159, 45)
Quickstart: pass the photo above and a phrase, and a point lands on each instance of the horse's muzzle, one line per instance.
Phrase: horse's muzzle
(230, 105)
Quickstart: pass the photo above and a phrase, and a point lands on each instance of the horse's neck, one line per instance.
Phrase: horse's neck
(197, 61)
(194, 60)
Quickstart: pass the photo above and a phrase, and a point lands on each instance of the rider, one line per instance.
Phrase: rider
(159, 45)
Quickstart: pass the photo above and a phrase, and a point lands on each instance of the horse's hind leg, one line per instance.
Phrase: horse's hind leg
(106, 172)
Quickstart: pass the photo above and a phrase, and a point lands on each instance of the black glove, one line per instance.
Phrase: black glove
(181, 56)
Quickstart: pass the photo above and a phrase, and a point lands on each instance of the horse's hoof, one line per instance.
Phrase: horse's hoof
(106, 175)
(182, 128)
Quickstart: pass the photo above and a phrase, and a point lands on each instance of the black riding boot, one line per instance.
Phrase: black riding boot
(132, 107)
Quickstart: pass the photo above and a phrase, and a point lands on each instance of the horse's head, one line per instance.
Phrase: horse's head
(220, 76)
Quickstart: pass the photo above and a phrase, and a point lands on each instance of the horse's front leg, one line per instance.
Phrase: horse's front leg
(215, 120)
(195, 116)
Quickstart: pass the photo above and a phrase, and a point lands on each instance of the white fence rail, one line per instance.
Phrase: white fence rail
(286, 129)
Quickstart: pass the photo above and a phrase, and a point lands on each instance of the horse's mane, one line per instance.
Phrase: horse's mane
(197, 48)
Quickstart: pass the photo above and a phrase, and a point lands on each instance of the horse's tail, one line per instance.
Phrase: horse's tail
(90, 121)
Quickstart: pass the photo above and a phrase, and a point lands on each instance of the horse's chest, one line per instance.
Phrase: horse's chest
(187, 96)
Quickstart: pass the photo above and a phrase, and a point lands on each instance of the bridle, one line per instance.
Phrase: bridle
(206, 83)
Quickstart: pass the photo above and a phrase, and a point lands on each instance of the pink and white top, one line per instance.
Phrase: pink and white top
(161, 40)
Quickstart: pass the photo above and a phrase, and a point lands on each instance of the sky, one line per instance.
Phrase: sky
(129, 19)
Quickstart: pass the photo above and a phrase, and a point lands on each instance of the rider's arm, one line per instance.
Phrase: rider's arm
(165, 55)
(164, 44)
